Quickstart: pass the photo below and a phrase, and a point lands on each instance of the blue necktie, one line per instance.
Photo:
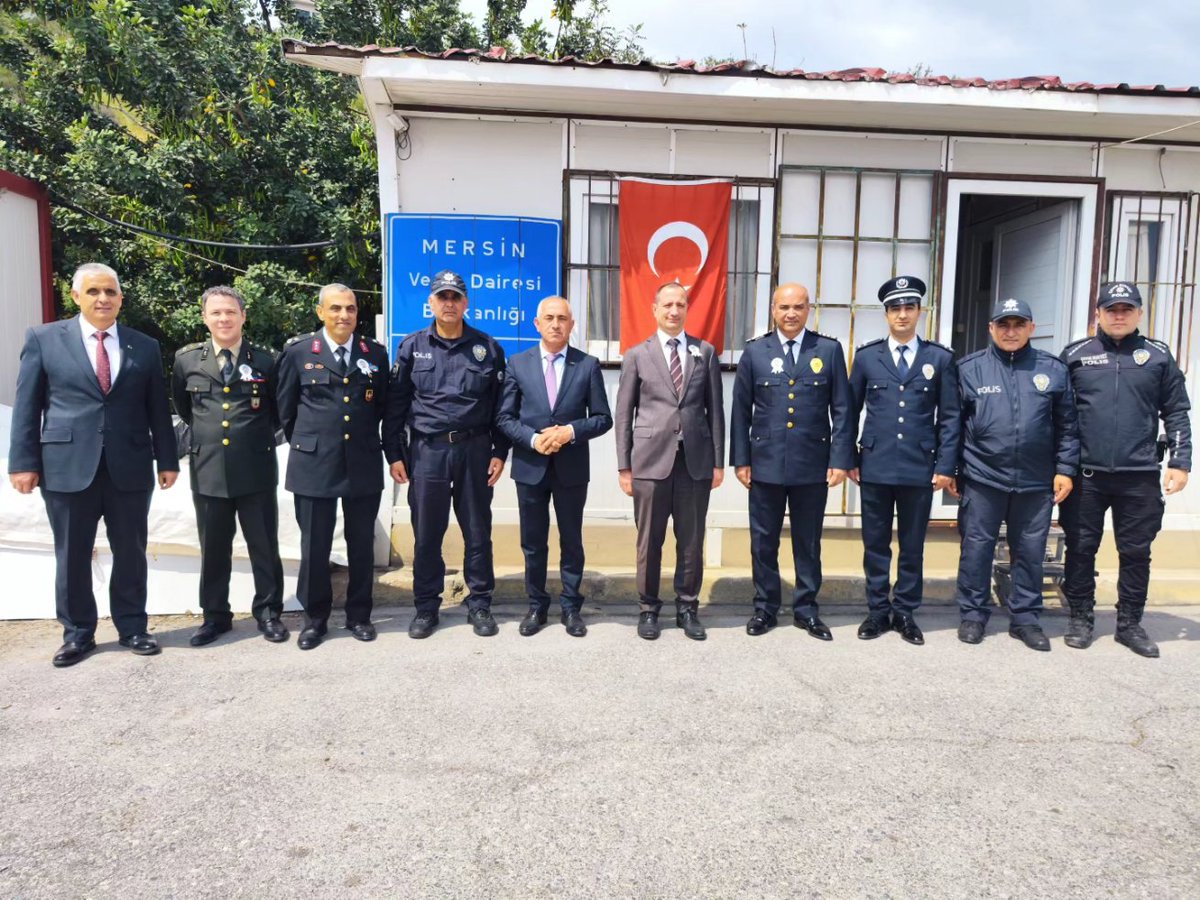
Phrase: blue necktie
(902, 365)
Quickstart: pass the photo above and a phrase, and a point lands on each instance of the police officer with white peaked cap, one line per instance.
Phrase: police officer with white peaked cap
(1124, 383)
(907, 450)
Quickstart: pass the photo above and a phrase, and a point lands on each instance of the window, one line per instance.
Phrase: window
(1152, 242)
(594, 261)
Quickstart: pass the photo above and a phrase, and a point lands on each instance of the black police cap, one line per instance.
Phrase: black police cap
(901, 290)
(1114, 292)
(1011, 309)
(446, 280)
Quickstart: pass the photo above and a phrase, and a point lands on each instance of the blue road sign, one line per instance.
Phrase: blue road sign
(510, 263)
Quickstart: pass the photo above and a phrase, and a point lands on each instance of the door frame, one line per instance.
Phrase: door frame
(1090, 194)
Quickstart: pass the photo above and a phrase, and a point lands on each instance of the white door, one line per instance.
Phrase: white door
(1034, 261)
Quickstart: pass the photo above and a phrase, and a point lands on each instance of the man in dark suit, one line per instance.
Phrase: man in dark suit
(553, 404)
(331, 388)
(670, 428)
(89, 422)
(222, 389)
(908, 449)
(791, 440)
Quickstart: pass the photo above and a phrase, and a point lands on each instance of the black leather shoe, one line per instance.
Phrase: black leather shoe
(760, 623)
(312, 635)
(483, 623)
(1080, 630)
(1032, 635)
(970, 632)
(574, 623)
(274, 630)
(689, 621)
(873, 626)
(141, 644)
(532, 623)
(362, 631)
(907, 628)
(1133, 636)
(814, 626)
(423, 625)
(208, 632)
(72, 652)
(648, 626)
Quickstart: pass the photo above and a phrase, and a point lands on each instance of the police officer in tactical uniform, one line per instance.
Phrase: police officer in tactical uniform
(441, 432)
(1020, 452)
(1124, 383)
(222, 388)
(331, 388)
(791, 440)
(908, 449)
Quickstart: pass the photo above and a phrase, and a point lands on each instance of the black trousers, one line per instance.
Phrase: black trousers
(217, 519)
(1136, 501)
(445, 475)
(806, 503)
(534, 501)
(317, 517)
(911, 504)
(74, 518)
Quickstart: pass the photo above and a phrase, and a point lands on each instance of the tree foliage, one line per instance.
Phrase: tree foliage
(184, 118)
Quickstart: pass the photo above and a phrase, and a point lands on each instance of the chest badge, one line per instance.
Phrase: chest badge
(479, 352)
(364, 367)
(816, 365)
(776, 366)
(1140, 356)
(927, 371)
(246, 372)
(369, 396)
(1041, 381)
(255, 402)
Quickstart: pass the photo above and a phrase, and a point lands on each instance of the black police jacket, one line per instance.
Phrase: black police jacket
(1121, 391)
(1020, 427)
(232, 451)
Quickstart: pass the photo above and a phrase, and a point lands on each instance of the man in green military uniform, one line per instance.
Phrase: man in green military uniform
(222, 390)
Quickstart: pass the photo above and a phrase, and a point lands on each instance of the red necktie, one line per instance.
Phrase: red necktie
(103, 367)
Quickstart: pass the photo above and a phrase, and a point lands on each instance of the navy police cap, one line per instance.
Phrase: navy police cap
(1114, 292)
(902, 289)
(1011, 309)
(446, 280)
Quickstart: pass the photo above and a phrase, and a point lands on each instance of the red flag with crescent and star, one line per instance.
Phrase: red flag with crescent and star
(674, 231)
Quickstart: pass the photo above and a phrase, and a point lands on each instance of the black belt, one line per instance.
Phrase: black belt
(455, 437)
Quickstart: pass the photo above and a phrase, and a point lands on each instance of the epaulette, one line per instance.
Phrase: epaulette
(190, 347)
(299, 337)
(759, 338)
(827, 337)
(870, 343)
(1160, 345)
(1075, 346)
(949, 350)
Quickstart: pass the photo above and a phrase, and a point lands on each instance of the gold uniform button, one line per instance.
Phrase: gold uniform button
(225, 424)
(792, 381)
(791, 396)
(345, 399)
(345, 437)
(224, 406)
(345, 381)
(225, 441)
(791, 424)
(791, 409)
(345, 418)
(226, 389)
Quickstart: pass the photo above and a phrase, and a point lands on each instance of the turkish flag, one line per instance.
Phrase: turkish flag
(674, 231)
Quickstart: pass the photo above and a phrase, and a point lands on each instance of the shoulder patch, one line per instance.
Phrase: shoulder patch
(870, 343)
(938, 345)
(1158, 345)
(188, 348)
(1075, 346)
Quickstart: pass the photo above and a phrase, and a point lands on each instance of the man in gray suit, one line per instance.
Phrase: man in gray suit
(670, 427)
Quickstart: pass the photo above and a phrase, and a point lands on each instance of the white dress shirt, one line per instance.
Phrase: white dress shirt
(783, 339)
(334, 346)
(663, 337)
(560, 367)
(112, 344)
(909, 355)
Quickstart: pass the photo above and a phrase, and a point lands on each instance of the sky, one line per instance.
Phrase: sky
(1102, 41)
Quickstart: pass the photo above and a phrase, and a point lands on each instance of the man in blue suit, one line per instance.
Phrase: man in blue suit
(791, 440)
(89, 423)
(908, 449)
(553, 404)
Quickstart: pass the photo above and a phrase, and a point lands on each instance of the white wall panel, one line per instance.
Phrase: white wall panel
(622, 148)
(1021, 157)
(865, 151)
(704, 152)
(1132, 168)
(483, 168)
(20, 283)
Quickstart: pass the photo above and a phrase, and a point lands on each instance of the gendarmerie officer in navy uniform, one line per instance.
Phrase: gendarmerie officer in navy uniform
(222, 389)
(441, 433)
(1124, 383)
(1020, 452)
(331, 389)
(791, 440)
(908, 449)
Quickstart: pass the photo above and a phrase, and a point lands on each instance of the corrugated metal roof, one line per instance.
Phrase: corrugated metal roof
(745, 68)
